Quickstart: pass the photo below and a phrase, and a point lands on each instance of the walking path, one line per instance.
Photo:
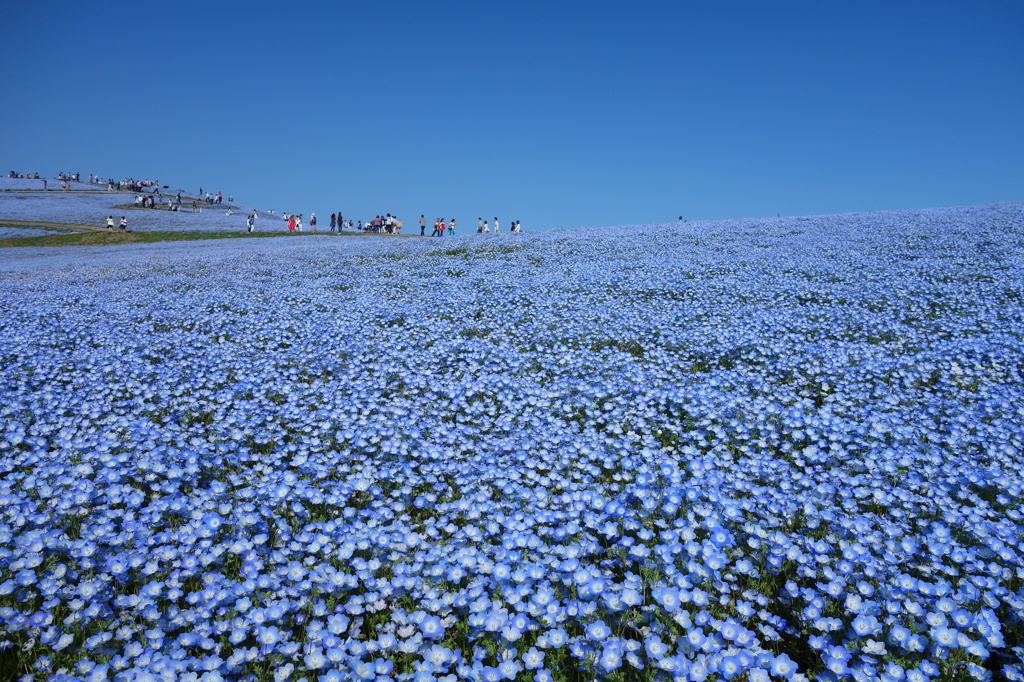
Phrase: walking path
(33, 223)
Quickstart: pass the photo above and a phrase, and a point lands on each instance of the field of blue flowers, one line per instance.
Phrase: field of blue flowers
(780, 449)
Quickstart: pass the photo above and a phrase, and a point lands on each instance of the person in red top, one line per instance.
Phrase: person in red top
(291, 223)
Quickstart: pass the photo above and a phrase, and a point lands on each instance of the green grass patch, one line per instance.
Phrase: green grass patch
(103, 238)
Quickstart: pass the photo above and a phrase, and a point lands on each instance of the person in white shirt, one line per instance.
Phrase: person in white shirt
(496, 230)
(487, 229)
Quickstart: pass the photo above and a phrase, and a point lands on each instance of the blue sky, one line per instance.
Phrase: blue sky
(559, 114)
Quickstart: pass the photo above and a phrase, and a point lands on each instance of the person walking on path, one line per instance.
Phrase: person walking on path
(451, 228)
(423, 225)
(312, 222)
(496, 230)
(334, 221)
(249, 223)
(291, 223)
(298, 223)
(479, 225)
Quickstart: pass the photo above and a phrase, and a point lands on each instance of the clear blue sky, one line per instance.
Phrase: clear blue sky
(558, 114)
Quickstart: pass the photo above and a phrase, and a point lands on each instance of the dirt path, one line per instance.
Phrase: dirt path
(33, 223)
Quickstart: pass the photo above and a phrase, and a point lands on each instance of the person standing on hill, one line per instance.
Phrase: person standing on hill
(334, 222)
(249, 223)
(291, 223)
(496, 230)
(110, 223)
(451, 228)
(423, 225)
(124, 224)
(479, 225)
(312, 222)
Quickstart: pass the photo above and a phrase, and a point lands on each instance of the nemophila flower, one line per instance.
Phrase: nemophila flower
(495, 621)
(268, 636)
(873, 647)
(610, 656)
(865, 626)
(946, 637)
(667, 597)
(431, 628)
(916, 675)
(698, 669)
(758, 675)
(438, 656)
(783, 666)
(696, 638)
(596, 631)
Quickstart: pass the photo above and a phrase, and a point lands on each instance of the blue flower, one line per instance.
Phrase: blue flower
(597, 631)
(783, 666)
(431, 628)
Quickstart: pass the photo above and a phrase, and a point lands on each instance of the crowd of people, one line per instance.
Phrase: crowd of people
(387, 224)
(339, 223)
(439, 227)
(148, 195)
(483, 227)
(211, 199)
(133, 185)
(392, 225)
